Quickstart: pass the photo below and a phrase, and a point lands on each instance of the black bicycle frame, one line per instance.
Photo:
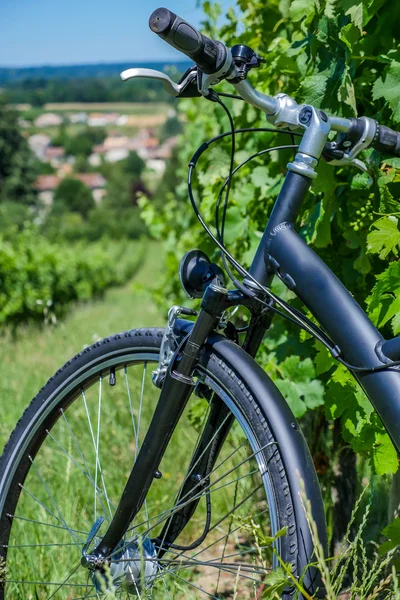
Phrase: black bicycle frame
(281, 252)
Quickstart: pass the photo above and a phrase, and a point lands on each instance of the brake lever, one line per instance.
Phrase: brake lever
(185, 88)
(170, 86)
(337, 157)
(348, 161)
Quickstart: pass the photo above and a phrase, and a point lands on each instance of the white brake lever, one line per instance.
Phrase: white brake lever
(346, 160)
(170, 86)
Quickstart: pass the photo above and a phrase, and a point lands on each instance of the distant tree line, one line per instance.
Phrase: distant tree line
(39, 91)
(11, 75)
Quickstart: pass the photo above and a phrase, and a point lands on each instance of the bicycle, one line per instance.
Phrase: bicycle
(213, 501)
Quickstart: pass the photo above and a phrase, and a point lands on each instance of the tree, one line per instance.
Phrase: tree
(73, 196)
(96, 134)
(18, 165)
(133, 165)
(79, 145)
(171, 128)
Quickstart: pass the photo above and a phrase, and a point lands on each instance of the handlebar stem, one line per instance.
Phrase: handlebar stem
(268, 104)
(283, 111)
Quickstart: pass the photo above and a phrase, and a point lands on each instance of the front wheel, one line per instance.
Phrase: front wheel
(67, 462)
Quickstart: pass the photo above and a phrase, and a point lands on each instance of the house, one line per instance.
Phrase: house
(47, 184)
(54, 155)
(102, 119)
(38, 143)
(116, 154)
(78, 118)
(120, 141)
(164, 151)
(95, 159)
(95, 182)
(48, 120)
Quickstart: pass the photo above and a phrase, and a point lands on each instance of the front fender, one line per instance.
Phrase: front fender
(293, 447)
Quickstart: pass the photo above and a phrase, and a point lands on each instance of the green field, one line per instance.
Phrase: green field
(129, 108)
(27, 361)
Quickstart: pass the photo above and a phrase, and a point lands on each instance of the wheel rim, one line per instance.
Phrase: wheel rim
(47, 530)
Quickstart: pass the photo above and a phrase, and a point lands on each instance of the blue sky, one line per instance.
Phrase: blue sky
(56, 32)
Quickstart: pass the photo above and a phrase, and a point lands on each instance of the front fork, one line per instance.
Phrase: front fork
(176, 390)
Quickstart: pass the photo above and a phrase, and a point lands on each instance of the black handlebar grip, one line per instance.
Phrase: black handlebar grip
(386, 140)
(207, 54)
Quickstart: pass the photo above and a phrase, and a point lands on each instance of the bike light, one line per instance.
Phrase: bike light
(196, 272)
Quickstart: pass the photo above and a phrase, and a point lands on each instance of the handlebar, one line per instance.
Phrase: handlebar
(386, 140)
(209, 55)
(215, 61)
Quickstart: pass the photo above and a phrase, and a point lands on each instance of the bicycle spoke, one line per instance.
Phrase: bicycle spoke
(192, 584)
(86, 474)
(37, 545)
(85, 533)
(202, 492)
(42, 505)
(65, 581)
(229, 532)
(97, 447)
(55, 504)
(96, 453)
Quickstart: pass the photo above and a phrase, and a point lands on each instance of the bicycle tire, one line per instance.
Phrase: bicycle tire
(61, 389)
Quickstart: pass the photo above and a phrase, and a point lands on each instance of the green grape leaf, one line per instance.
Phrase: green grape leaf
(385, 238)
(349, 34)
(236, 225)
(323, 360)
(313, 88)
(391, 531)
(396, 324)
(384, 294)
(302, 9)
(330, 9)
(301, 370)
(260, 177)
(289, 390)
(354, 9)
(299, 386)
(361, 181)
(389, 88)
(384, 455)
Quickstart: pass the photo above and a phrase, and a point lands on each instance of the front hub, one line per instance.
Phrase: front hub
(132, 566)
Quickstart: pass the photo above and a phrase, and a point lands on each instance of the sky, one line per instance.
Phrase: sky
(62, 32)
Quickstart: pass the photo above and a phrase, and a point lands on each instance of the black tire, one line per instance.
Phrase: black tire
(63, 388)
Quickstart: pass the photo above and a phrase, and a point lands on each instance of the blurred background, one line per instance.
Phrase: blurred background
(80, 152)
(94, 215)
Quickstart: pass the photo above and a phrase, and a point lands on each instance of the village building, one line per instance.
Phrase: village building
(102, 119)
(48, 120)
(78, 118)
(47, 184)
(38, 143)
(95, 182)
(54, 155)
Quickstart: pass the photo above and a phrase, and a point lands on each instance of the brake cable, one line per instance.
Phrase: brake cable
(291, 314)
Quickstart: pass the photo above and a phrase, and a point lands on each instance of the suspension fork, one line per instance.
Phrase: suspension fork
(175, 393)
(217, 427)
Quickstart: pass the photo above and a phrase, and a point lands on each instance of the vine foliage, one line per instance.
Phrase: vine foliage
(343, 56)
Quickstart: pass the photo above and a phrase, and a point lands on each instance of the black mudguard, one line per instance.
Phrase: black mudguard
(293, 447)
